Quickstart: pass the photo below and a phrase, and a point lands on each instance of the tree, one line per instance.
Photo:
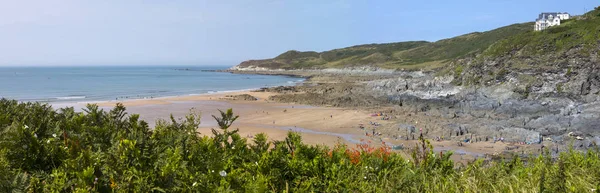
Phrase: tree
(227, 118)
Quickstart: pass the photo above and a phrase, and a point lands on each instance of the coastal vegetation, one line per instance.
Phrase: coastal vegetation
(47, 150)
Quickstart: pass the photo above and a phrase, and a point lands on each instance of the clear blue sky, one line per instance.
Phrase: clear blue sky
(195, 32)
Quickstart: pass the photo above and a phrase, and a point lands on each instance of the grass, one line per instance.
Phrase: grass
(462, 46)
(426, 66)
(407, 55)
(575, 33)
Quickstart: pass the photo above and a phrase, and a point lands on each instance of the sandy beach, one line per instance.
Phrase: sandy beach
(317, 125)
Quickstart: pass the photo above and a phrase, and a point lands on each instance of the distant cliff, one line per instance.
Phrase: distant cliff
(362, 55)
(412, 55)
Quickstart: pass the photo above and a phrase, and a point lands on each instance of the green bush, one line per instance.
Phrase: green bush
(43, 150)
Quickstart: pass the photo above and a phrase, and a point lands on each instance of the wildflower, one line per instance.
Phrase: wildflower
(365, 177)
(223, 173)
(26, 127)
(194, 184)
(232, 147)
(212, 171)
(35, 135)
(113, 184)
(48, 141)
(54, 135)
(256, 163)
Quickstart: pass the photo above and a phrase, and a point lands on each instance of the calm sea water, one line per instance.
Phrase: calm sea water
(74, 84)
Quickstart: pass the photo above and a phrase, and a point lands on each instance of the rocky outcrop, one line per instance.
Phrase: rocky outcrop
(244, 97)
(553, 73)
(498, 110)
(417, 84)
(257, 65)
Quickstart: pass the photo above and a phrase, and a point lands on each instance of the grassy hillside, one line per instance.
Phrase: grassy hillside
(571, 48)
(407, 55)
(464, 45)
(580, 32)
(370, 54)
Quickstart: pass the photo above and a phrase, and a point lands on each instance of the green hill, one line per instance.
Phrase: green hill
(582, 31)
(570, 49)
(408, 55)
(513, 52)
(514, 40)
(464, 45)
(369, 54)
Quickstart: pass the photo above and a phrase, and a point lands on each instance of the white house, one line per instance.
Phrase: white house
(546, 20)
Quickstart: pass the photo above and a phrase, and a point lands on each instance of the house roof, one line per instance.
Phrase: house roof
(544, 15)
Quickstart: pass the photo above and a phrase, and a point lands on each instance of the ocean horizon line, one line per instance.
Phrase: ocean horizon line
(221, 66)
(80, 84)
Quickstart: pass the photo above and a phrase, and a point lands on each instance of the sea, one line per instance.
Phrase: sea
(100, 84)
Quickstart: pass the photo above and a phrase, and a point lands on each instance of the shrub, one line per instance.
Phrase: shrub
(98, 151)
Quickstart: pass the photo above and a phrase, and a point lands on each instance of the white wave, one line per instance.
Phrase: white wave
(70, 97)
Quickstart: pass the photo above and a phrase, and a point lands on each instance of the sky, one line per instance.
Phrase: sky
(226, 32)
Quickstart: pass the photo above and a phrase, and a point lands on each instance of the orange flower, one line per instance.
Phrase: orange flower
(113, 185)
